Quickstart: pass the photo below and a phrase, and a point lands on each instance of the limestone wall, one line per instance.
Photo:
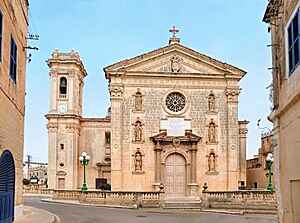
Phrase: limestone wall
(12, 95)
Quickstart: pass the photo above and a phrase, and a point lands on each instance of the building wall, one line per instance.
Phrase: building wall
(92, 141)
(154, 88)
(12, 95)
(68, 133)
(257, 167)
(285, 118)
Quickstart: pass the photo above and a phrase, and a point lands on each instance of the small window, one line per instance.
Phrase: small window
(1, 28)
(62, 146)
(13, 59)
(63, 85)
(293, 43)
(107, 138)
(61, 164)
(255, 184)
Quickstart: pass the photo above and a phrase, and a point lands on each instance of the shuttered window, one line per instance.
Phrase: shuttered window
(293, 43)
(13, 59)
(1, 29)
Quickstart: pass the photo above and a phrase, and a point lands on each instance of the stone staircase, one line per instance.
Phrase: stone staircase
(183, 203)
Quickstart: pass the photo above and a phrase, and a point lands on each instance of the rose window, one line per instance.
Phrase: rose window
(175, 102)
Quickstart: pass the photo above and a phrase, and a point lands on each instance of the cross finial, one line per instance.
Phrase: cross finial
(174, 31)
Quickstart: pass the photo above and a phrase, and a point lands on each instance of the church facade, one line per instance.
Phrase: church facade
(173, 123)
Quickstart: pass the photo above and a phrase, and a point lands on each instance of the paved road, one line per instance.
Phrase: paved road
(88, 214)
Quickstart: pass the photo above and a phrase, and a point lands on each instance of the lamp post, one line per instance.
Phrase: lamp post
(84, 160)
(270, 161)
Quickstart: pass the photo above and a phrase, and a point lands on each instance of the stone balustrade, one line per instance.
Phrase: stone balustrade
(246, 198)
(123, 198)
(36, 190)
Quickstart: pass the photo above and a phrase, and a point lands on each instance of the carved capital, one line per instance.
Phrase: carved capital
(72, 73)
(243, 132)
(53, 73)
(232, 94)
(116, 91)
(52, 127)
(71, 128)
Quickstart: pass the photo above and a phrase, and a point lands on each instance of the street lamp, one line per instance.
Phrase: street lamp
(84, 160)
(270, 161)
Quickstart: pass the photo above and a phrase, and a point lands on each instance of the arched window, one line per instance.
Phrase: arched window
(63, 85)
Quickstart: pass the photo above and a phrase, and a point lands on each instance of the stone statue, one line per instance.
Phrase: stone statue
(138, 103)
(138, 162)
(212, 132)
(138, 131)
(211, 102)
(211, 162)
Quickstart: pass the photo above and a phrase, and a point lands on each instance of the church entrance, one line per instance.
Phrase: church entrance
(175, 176)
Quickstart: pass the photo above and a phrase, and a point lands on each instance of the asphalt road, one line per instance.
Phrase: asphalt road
(78, 213)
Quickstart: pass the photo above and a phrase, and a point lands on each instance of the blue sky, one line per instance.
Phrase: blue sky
(104, 32)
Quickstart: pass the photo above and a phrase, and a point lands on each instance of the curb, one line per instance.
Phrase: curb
(50, 200)
(37, 214)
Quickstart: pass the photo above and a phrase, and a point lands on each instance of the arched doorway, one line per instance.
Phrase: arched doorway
(7, 187)
(175, 176)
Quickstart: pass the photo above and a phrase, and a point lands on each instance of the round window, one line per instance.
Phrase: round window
(175, 102)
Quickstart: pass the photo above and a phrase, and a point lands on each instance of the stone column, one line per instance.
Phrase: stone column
(116, 96)
(193, 184)
(157, 150)
(242, 150)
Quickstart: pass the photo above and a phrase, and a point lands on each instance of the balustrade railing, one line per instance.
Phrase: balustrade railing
(142, 199)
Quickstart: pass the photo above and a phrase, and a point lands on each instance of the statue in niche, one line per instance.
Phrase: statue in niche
(212, 132)
(138, 161)
(211, 162)
(138, 101)
(211, 102)
(138, 130)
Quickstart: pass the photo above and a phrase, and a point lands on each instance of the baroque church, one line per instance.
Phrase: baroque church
(173, 123)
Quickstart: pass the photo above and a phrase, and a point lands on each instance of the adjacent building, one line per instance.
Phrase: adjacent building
(257, 168)
(173, 121)
(13, 33)
(283, 18)
(36, 173)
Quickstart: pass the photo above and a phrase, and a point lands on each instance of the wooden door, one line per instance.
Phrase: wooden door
(175, 176)
(61, 183)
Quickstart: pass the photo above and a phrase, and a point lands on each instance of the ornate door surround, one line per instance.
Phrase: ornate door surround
(186, 146)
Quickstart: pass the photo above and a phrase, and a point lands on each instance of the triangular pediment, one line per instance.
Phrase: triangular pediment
(174, 59)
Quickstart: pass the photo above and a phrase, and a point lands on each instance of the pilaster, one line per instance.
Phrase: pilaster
(116, 95)
(232, 94)
(242, 150)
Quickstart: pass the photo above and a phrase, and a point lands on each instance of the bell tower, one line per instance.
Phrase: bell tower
(66, 83)
(66, 88)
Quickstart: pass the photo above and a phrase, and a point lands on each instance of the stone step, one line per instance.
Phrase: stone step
(185, 205)
(242, 211)
(242, 207)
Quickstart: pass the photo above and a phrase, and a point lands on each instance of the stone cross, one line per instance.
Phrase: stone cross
(174, 31)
